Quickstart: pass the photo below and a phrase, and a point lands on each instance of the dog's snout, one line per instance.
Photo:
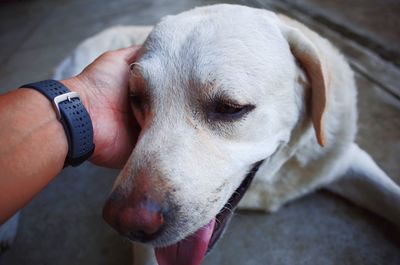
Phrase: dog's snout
(141, 221)
(138, 215)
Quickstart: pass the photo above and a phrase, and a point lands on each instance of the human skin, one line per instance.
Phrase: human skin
(33, 144)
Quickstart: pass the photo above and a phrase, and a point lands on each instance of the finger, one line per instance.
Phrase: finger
(130, 54)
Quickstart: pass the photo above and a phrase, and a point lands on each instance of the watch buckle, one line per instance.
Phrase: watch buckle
(61, 98)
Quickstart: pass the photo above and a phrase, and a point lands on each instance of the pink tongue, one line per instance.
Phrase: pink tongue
(188, 251)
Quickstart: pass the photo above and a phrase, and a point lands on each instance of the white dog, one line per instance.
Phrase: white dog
(223, 94)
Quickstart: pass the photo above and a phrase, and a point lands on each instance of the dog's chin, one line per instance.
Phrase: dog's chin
(226, 213)
(205, 238)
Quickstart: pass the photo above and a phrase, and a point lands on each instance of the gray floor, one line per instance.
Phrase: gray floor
(63, 224)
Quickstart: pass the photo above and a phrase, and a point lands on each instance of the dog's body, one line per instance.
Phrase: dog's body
(295, 164)
(303, 96)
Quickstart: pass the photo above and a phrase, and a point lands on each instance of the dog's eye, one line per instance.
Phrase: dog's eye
(138, 107)
(136, 100)
(224, 108)
(226, 111)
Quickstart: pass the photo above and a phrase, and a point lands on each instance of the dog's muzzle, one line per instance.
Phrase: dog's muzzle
(139, 214)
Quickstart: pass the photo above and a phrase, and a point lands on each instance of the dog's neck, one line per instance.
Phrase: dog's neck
(301, 134)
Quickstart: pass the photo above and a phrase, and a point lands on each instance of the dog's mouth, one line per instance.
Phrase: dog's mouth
(192, 249)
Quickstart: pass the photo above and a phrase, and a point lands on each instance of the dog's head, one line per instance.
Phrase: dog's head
(215, 91)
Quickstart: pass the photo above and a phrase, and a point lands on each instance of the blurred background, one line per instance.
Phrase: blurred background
(63, 224)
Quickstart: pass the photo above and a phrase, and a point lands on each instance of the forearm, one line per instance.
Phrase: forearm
(33, 144)
(33, 147)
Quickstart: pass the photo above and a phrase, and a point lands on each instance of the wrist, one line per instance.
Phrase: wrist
(76, 84)
(72, 113)
(81, 85)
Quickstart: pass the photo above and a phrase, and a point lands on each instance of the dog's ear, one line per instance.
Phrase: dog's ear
(307, 54)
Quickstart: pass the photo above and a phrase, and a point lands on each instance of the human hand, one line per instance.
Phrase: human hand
(103, 87)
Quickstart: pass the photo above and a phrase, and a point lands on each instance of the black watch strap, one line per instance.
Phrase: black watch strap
(74, 118)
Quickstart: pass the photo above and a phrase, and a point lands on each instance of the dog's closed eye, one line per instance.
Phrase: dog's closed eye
(221, 110)
(136, 100)
(138, 103)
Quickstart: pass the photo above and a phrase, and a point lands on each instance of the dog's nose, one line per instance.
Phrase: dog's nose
(139, 220)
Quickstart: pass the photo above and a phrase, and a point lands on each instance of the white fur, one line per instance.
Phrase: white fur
(243, 53)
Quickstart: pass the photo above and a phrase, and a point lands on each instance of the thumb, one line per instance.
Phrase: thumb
(130, 54)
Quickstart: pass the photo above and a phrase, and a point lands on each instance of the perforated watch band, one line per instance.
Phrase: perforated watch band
(74, 118)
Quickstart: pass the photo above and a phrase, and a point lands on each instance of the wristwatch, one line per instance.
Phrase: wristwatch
(73, 116)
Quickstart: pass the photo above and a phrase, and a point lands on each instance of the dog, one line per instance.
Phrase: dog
(231, 98)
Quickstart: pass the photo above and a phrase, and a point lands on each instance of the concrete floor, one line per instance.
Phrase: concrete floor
(63, 224)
